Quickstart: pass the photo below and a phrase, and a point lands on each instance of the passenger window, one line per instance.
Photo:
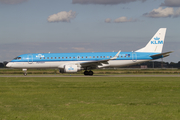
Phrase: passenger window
(101, 56)
(86, 57)
(93, 56)
(40, 57)
(97, 56)
(47, 57)
(51, 57)
(62, 57)
(59, 57)
(82, 57)
(107, 56)
(73, 57)
(70, 57)
(110, 56)
(66, 57)
(90, 57)
(104, 57)
(55, 57)
(44, 57)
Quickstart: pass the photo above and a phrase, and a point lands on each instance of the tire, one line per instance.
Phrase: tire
(86, 73)
(91, 73)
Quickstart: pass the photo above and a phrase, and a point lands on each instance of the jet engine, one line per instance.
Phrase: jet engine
(70, 69)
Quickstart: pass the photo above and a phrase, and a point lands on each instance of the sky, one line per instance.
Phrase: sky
(58, 26)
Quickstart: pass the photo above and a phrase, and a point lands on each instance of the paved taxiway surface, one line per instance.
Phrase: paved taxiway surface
(90, 76)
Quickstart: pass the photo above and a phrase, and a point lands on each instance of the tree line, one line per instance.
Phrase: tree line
(157, 64)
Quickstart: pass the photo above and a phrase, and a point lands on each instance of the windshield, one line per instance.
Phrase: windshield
(17, 58)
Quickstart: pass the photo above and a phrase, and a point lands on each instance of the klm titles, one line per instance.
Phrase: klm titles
(157, 41)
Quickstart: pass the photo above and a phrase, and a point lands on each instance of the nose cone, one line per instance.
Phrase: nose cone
(8, 65)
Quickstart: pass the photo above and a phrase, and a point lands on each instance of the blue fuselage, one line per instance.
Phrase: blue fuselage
(52, 57)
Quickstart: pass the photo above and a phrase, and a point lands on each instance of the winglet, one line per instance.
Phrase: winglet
(115, 57)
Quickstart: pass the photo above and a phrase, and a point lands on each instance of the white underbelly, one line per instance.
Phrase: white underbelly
(56, 64)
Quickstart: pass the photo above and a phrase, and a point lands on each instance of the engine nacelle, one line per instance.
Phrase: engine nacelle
(70, 69)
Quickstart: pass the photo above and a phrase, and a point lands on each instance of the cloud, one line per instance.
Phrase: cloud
(160, 13)
(81, 49)
(62, 16)
(104, 2)
(163, 13)
(108, 20)
(123, 19)
(12, 1)
(177, 13)
(78, 48)
(171, 3)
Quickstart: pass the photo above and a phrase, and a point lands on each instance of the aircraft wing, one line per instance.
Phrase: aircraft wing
(98, 62)
(162, 54)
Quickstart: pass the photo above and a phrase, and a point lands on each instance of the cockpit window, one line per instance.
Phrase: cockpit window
(17, 58)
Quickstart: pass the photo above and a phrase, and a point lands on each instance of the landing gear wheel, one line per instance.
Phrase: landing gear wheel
(25, 71)
(91, 73)
(86, 72)
(25, 74)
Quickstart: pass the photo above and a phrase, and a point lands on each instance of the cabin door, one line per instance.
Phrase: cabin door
(30, 59)
(134, 57)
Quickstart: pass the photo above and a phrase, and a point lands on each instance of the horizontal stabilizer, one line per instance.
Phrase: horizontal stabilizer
(162, 54)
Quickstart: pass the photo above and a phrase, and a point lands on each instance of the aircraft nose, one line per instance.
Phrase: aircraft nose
(8, 65)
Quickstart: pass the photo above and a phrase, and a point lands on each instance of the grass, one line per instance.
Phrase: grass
(96, 71)
(90, 98)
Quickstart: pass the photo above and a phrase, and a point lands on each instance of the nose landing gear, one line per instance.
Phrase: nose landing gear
(25, 71)
(88, 73)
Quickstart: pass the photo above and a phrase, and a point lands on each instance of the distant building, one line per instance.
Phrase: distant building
(144, 66)
(1, 65)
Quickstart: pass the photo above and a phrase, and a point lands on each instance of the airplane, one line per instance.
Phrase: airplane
(74, 62)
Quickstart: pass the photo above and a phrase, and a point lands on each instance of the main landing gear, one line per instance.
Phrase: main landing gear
(88, 72)
(25, 71)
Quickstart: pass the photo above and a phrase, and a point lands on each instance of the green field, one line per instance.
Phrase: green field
(96, 71)
(90, 98)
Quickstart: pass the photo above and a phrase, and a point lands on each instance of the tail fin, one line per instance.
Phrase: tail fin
(156, 43)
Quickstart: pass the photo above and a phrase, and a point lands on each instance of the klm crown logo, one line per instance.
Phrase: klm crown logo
(156, 38)
(156, 41)
(70, 68)
(39, 55)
